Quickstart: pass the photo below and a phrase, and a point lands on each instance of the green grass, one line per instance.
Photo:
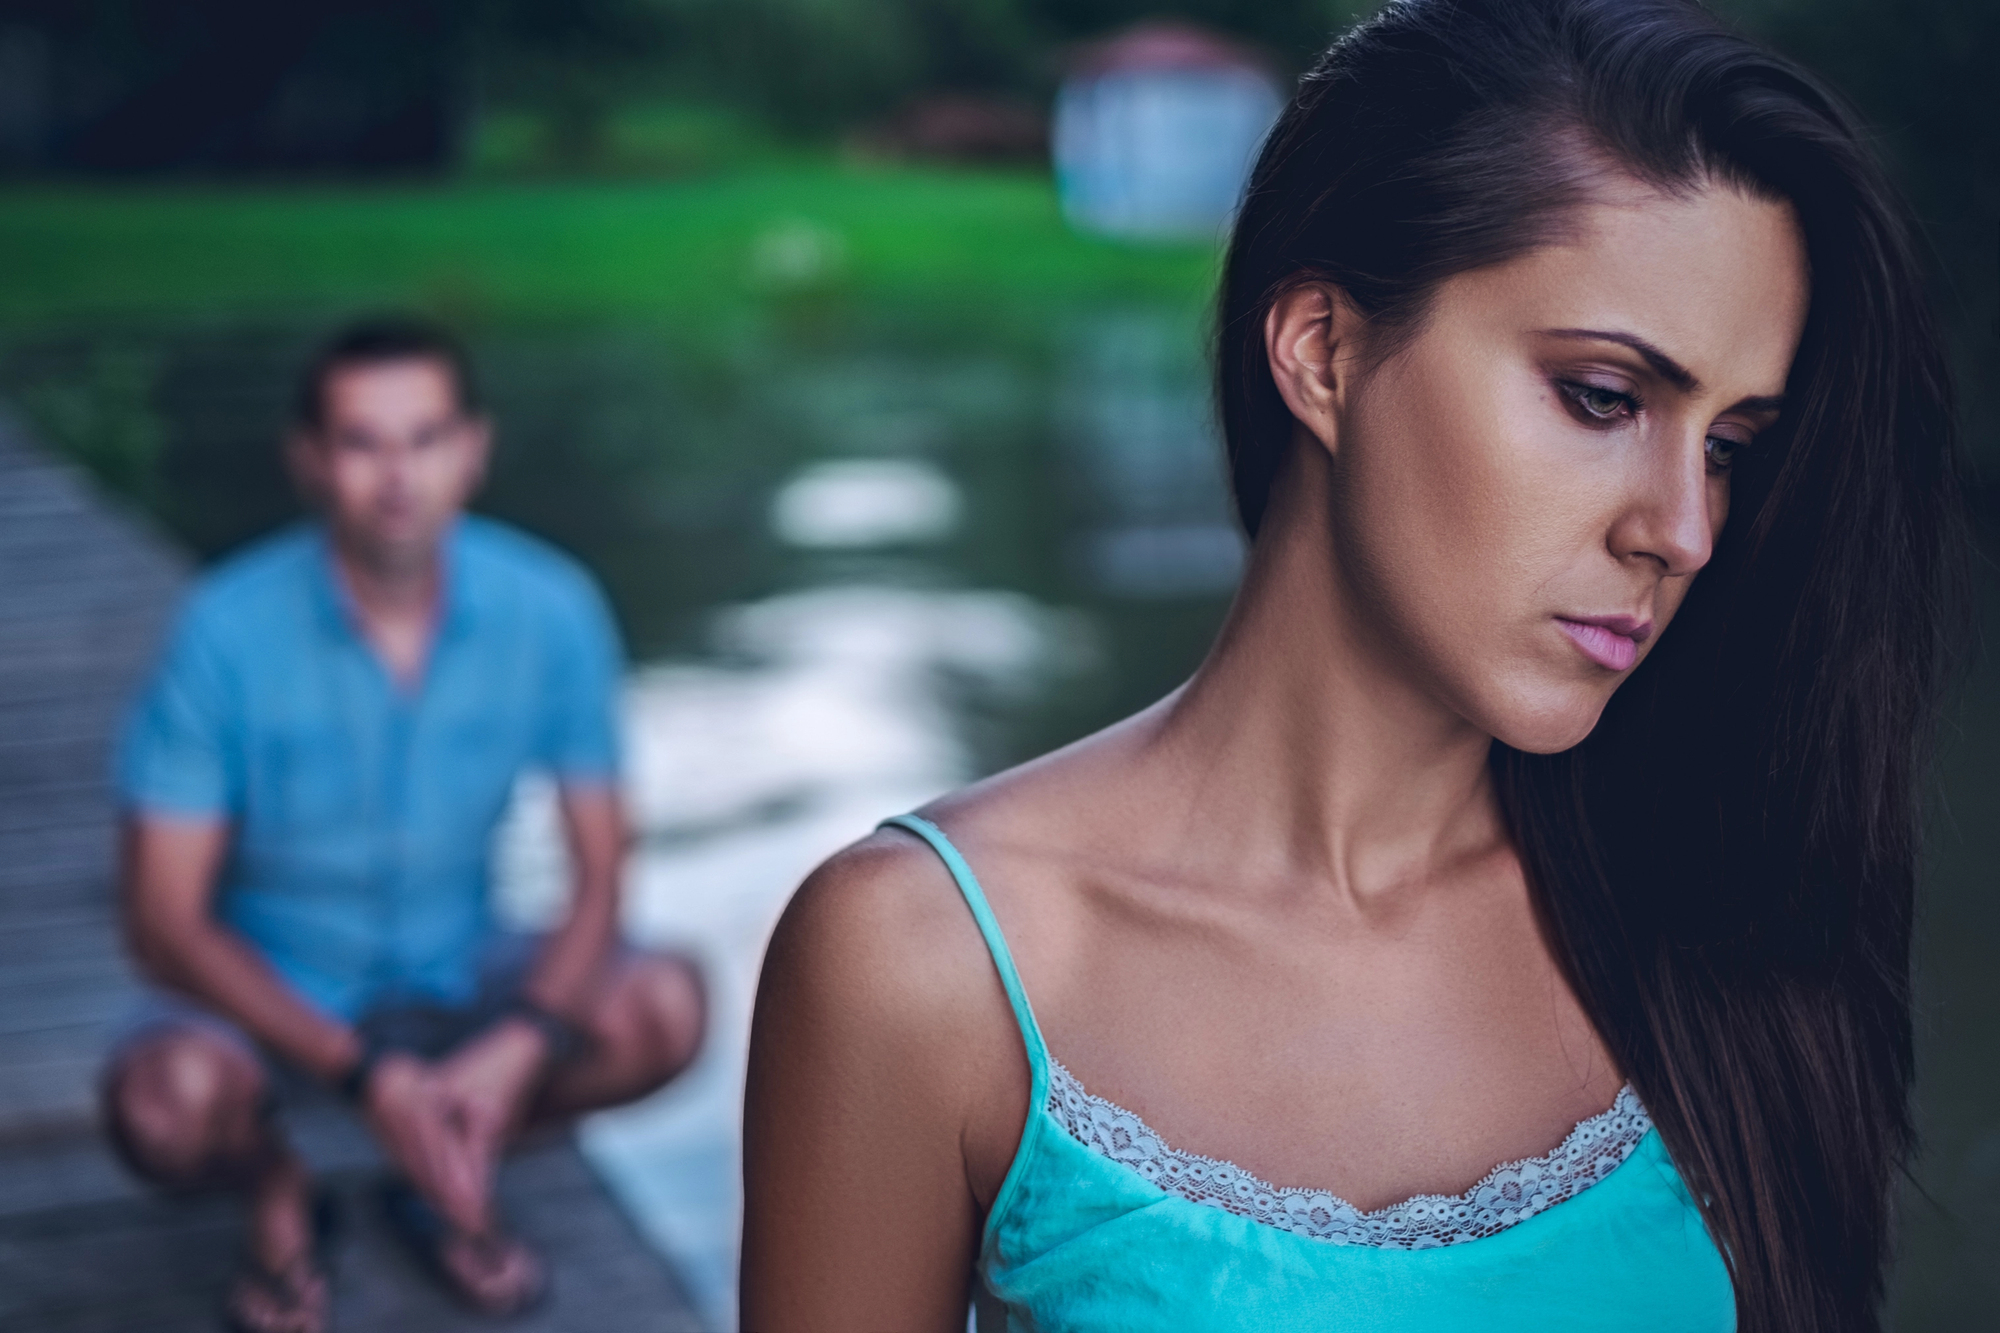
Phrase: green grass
(679, 250)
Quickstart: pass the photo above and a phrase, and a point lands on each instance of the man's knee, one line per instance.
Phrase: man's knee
(664, 1011)
(184, 1107)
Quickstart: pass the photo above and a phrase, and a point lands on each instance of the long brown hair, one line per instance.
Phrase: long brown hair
(1726, 866)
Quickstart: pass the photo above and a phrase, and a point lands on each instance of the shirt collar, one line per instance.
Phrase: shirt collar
(455, 614)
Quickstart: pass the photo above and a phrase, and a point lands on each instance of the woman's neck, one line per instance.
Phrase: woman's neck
(1310, 737)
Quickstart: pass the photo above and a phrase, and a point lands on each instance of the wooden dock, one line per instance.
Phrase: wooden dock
(84, 594)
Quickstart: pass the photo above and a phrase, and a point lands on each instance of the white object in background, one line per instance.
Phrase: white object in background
(1156, 131)
(796, 253)
(863, 502)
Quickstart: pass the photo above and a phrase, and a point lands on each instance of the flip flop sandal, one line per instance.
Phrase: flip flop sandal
(284, 1287)
(424, 1234)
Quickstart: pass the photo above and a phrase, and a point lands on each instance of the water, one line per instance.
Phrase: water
(859, 560)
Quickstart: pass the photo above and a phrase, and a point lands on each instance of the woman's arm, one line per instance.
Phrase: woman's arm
(886, 1093)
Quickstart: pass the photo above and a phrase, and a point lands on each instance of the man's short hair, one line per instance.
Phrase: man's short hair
(377, 341)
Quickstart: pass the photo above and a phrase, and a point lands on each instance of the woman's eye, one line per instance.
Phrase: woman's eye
(1722, 451)
(1599, 403)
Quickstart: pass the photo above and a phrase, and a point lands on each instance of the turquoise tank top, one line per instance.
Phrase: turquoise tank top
(1100, 1227)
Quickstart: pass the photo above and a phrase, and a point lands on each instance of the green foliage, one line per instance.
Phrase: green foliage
(97, 407)
(104, 284)
(826, 64)
(642, 140)
(571, 63)
(685, 252)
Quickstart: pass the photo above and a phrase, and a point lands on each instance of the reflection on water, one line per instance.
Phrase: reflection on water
(864, 502)
(1137, 408)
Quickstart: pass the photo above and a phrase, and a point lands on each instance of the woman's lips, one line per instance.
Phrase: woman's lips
(1610, 641)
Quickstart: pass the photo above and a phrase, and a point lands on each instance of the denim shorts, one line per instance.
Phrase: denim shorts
(418, 1024)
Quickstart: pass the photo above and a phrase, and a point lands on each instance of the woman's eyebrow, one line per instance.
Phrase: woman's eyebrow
(1668, 369)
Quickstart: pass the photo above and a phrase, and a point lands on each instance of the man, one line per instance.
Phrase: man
(311, 783)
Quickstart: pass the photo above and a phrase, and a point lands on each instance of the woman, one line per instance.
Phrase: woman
(1548, 325)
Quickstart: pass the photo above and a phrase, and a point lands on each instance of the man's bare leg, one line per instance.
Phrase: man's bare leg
(185, 1106)
(645, 1022)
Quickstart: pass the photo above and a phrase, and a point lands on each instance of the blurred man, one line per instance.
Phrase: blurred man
(311, 784)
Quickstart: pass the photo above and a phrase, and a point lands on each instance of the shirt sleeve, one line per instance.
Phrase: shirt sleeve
(178, 752)
(580, 736)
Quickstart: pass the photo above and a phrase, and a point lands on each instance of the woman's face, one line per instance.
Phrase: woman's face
(1524, 493)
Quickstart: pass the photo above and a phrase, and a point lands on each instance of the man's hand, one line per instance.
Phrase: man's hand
(417, 1122)
(445, 1123)
(490, 1080)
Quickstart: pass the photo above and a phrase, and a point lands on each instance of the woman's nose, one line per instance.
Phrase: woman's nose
(1670, 517)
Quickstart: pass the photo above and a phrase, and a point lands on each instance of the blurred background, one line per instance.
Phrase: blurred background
(858, 348)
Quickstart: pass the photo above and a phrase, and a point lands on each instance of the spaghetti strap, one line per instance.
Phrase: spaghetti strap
(996, 944)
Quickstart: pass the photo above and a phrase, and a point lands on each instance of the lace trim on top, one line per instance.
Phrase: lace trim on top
(1510, 1194)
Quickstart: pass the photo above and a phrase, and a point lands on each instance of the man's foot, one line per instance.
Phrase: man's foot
(493, 1274)
(496, 1275)
(282, 1285)
(293, 1300)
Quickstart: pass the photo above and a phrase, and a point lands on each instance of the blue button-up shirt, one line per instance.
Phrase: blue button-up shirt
(362, 811)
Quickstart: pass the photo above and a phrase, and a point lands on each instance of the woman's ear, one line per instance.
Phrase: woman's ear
(1309, 336)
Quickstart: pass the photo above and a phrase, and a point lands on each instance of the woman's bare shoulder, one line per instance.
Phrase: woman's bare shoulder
(878, 946)
(883, 1090)
(880, 936)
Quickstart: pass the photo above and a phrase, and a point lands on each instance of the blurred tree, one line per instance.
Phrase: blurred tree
(229, 85)
(823, 65)
(96, 403)
(575, 62)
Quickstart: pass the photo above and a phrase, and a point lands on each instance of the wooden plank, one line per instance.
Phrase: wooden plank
(79, 903)
(86, 1253)
(21, 1051)
(54, 811)
(59, 666)
(84, 592)
(68, 801)
(44, 973)
(65, 709)
(64, 1006)
(58, 1097)
(56, 938)
(68, 872)
(61, 1172)
(47, 835)
(56, 886)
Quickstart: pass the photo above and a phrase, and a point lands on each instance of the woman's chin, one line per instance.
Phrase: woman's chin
(1547, 725)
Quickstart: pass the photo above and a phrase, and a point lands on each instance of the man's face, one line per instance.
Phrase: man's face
(394, 459)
